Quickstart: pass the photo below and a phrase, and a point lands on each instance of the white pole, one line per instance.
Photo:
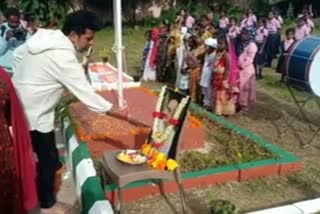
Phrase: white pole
(118, 44)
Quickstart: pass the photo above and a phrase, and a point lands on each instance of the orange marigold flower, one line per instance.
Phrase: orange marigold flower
(162, 165)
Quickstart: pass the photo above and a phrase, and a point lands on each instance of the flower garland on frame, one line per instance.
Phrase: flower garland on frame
(155, 158)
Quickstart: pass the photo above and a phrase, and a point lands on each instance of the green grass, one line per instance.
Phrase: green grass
(133, 41)
(225, 147)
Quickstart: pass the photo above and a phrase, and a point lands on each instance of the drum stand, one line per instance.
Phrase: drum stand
(300, 103)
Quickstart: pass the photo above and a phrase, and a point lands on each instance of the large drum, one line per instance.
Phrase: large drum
(303, 65)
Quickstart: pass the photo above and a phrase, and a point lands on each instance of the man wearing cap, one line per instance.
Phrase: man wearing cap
(207, 70)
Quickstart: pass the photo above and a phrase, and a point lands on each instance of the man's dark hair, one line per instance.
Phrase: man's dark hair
(12, 11)
(79, 22)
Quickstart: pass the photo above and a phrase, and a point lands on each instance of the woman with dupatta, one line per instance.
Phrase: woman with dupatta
(17, 172)
(247, 71)
(222, 97)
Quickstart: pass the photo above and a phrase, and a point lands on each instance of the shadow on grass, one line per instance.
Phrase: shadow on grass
(279, 113)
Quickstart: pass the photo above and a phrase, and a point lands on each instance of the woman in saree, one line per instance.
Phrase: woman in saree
(197, 52)
(18, 171)
(222, 94)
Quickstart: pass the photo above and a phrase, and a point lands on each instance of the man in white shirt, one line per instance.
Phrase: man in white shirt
(44, 67)
(207, 71)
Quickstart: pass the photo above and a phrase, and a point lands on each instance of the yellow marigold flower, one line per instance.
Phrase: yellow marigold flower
(160, 157)
(146, 149)
(172, 164)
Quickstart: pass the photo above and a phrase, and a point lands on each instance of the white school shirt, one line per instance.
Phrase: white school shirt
(43, 67)
(224, 22)
(273, 25)
(233, 32)
(261, 34)
(207, 69)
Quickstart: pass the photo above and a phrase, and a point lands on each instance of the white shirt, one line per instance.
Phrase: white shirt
(207, 70)
(44, 67)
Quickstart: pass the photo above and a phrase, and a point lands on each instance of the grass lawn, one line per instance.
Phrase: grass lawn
(274, 106)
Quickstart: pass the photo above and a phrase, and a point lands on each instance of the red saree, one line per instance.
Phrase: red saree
(23, 161)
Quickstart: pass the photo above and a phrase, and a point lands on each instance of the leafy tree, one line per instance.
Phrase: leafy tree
(46, 10)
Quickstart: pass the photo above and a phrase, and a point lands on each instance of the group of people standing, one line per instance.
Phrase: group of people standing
(217, 64)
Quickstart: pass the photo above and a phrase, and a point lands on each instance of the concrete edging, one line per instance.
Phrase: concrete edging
(88, 186)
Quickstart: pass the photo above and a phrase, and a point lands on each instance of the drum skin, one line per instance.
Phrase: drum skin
(303, 65)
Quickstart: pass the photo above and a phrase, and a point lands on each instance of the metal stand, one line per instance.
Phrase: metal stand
(300, 103)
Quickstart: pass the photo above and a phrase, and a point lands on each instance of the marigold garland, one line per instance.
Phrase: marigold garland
(157, 159)
(159, 137)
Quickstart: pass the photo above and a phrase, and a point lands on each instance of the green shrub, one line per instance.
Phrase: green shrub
(46, 9)
(151, 22)
(221, 207)
(260, 7)
(170, 14)
(236, 13)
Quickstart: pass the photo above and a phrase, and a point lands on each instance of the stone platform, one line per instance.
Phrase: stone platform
(104, 132)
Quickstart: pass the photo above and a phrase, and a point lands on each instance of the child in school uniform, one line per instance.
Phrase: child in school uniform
(278, 17)
(249, 23)
(190, 21)
(249, 20)
(223, 24)
(273, 27)
(261, 39)
(309, 22)
(234, 31)
(301, 30)
(207, 70)
(285, 45)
